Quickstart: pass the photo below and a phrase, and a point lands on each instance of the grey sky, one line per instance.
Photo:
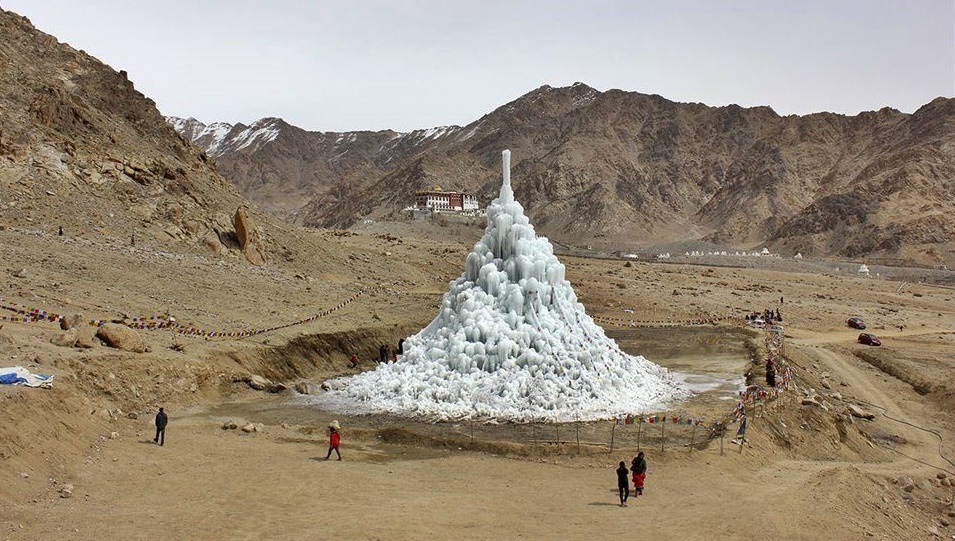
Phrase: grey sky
(356, 64)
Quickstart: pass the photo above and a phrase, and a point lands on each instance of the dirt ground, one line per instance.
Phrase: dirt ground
(809, 472)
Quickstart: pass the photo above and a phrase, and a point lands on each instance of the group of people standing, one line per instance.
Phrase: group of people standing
(385, 354)
(637, 473)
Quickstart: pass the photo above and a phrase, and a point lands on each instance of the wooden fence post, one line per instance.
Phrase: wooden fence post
(663, 433)
(577, 428)
(612, 430)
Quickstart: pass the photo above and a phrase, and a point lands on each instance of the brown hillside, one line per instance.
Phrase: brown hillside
(623, 170)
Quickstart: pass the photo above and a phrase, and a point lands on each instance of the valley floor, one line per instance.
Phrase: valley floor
(809, 473)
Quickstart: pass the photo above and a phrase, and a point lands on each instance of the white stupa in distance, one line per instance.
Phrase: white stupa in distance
(510, 343)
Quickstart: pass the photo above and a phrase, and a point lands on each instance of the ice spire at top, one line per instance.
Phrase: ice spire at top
(507, 194)
(510, 342)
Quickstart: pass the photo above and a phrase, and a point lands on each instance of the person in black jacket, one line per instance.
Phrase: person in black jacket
(623, 484)
(161, 421)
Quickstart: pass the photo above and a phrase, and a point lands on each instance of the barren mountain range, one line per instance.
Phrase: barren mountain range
(616, 170)
(624, 170)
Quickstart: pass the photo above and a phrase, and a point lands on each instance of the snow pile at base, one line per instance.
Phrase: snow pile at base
(510, 343)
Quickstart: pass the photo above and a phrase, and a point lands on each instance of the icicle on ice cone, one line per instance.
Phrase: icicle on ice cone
(510, 342)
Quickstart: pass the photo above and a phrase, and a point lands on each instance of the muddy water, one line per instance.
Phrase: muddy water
(711, 360)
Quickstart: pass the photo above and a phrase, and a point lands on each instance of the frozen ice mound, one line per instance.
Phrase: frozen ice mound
(510, 343)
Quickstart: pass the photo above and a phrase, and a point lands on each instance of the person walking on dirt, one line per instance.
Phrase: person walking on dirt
(354, 361)
(623, 484)
(382, 354)
(161, 421)
(639, 469)
(334, 440)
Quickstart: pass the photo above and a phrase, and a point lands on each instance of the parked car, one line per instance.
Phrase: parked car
(869, 339)
(855, 323)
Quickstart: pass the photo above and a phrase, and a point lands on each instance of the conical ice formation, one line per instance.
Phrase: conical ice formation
(510, 343)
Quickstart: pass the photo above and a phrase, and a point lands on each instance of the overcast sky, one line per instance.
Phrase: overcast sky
(407, 64)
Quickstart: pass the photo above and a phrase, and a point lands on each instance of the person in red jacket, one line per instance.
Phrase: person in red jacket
(334, 440)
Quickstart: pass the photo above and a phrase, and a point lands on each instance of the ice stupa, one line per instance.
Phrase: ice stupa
(510, 343)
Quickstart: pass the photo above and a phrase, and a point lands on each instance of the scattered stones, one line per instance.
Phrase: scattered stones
(121, 337)
(278, 387)
(66, 491)
(809, 401)
(856, 411)
(22, 273)
(826, 384)
(132, 415)
(229, 425)
(906, 484)
(84, 339)
(941, 475)
(248, 428)
(24, 475)
(66, 339)
(69, 322)
(308, 387)
(258, 382)
(113, 435)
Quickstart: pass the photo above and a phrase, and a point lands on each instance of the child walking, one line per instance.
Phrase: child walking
(334, 440)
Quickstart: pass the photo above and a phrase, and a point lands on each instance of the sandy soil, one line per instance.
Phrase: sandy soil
(808, 473)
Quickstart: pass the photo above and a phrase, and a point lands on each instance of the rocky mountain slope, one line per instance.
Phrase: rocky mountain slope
(623, 170)
(85, 155)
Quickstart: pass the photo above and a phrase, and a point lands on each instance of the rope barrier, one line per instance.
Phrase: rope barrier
(703, 320)
(160, 322)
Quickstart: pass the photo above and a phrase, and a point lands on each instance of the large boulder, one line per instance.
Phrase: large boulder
(121, 337)
(258, 383)
(248, 237)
